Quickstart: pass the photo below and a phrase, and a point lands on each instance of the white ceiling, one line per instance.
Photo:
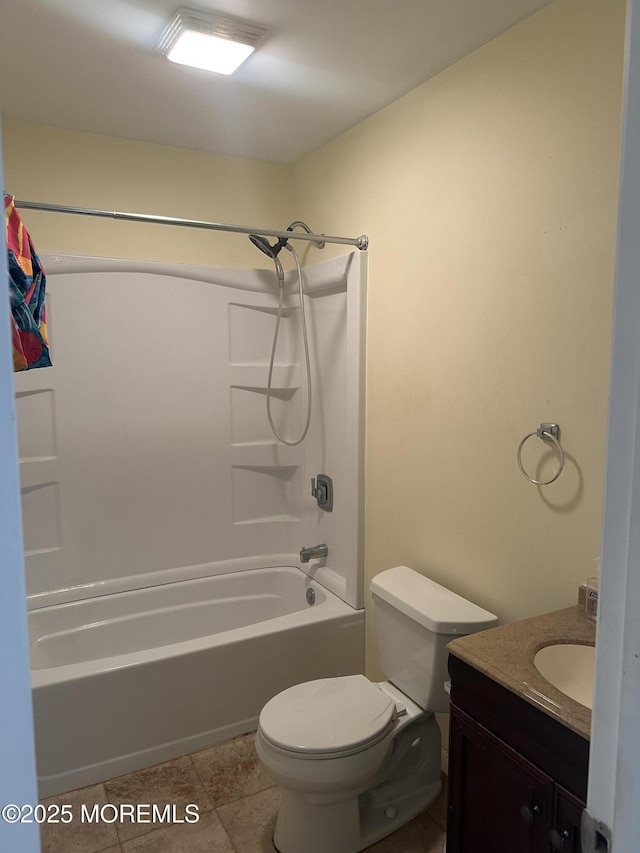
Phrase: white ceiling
(326, 64)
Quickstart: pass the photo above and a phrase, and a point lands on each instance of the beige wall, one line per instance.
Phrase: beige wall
(88, 170)
(489, 195)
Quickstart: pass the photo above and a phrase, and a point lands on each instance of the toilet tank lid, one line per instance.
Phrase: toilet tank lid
(431, 605)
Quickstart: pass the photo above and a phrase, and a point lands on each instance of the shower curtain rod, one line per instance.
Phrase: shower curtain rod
(359, 242)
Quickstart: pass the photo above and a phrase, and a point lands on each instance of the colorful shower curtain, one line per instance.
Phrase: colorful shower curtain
(26, 294)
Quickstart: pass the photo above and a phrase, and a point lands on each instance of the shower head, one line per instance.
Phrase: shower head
(262, 244)
(282, 242)
(271, 252)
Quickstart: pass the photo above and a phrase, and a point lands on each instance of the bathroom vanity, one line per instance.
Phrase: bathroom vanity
(518, 747)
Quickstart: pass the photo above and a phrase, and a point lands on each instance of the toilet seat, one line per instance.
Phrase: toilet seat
(329, 717)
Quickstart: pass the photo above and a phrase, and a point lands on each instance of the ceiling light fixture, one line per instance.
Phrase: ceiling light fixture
(209, 41)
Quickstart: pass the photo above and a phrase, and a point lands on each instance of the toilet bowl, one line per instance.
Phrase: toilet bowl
(357, 759)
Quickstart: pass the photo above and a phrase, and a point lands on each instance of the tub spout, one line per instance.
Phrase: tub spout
(313, 553)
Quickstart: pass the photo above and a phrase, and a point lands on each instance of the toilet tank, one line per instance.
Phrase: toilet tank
(415, 619)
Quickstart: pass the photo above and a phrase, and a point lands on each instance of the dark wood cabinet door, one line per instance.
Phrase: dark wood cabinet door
(499, 802)
(567, 813)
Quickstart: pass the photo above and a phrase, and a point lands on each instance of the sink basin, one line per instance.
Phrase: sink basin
(570, 668)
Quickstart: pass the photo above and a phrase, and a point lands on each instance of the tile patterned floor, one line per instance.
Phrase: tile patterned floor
(237, 804)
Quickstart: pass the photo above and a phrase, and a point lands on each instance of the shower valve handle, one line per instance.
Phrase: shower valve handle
(323, 491)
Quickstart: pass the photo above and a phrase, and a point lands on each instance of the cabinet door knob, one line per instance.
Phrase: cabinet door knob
(557, 839)
(529, 814)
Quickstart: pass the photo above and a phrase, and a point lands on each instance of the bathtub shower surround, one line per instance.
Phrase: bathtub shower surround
(147, 464)
(146, 447)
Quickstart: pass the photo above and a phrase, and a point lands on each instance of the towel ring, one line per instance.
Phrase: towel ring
(547, 432)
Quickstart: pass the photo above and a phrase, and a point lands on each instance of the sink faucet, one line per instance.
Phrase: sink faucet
(313, 553)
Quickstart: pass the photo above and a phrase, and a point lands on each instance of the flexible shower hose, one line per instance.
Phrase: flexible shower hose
(289, 442)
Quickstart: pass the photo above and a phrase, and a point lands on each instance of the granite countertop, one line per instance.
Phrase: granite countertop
(505, 654)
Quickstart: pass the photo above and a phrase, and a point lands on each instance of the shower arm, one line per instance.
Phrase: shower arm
(361, 242)
(300, 224)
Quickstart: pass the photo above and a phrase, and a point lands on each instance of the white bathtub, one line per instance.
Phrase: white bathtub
(131, 679)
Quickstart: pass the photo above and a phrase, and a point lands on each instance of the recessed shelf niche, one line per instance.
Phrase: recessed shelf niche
(249, 423)
(41, 518)
(251, 330)
(264, 493)
(35, 416)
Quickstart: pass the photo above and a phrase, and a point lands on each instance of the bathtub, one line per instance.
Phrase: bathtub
(127, 680)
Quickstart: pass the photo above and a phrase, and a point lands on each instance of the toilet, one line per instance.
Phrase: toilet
(355, 759)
